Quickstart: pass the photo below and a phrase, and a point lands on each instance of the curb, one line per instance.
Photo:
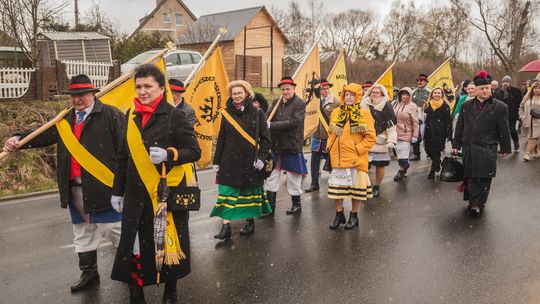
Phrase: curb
(27, 195)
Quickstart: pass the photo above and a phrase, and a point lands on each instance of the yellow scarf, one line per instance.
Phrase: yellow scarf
(150, 177)
(434, 104)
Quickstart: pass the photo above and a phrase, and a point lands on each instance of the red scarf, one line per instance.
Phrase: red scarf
(146, 111)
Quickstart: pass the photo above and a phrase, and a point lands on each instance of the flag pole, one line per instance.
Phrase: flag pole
(341, 53)
(386, 71)
(113, 84)
(209, 51)
(440, 67)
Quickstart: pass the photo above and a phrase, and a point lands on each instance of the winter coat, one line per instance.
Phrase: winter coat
(287, 125)
(188, 111)
(531, 126)
(478, 135)
(138, 214)
(351, 150)
(234, 154)
(407, 125)
(328, 106)
(263, 103)
(100, 135)
(438, 128)
(385, 123)
(512, 97)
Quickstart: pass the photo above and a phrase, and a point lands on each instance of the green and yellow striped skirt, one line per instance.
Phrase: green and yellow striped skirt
(234, 203)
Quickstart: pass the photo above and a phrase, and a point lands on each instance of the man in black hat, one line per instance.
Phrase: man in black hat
(366, 85)
(177, 89)
(482, 126)
(287, 134)
(88, 139)
(420, 96)
(318, 141)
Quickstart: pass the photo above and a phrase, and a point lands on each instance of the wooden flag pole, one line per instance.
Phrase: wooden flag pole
(103, 91)
(222, 31)
(275, 109)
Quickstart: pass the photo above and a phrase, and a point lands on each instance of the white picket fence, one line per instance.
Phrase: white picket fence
(14, 82)
(97, 71)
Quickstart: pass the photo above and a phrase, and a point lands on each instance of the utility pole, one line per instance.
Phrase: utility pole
(76, 13)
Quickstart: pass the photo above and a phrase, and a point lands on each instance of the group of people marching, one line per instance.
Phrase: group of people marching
(109, 164)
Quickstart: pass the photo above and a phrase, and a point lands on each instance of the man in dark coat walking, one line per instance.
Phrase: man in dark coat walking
(177, 89)
(512, 97)
(96, 128)
(287, 135)
(481, 127)
(420, 96)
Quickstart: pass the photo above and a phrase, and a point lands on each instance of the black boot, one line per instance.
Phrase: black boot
(136, 294)
(353, 221)
(431, 174)
(338, 220)
(88, 266)
(296, 205)
(376, 191)
(225, 232)
(271, 197)
(399, 176)
(249, 228)
(169, 295)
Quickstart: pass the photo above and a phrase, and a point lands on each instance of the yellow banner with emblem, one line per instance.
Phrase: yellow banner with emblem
(442, 77)
(150, 178)
(338, 75)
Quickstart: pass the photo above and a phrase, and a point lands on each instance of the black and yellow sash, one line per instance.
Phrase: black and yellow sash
(91, 164)
(150, 178)
(238, 128)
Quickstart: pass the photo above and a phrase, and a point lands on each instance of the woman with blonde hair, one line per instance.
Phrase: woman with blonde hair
(351, 136)
(240, 190)
(438, 128)
(377, 101)
(528, 109)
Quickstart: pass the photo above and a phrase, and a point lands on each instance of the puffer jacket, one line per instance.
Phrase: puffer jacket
(407, 119)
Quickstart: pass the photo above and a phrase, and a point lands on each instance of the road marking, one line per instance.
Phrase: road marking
(30, 199)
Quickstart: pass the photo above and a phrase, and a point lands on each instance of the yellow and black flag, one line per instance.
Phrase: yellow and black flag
(338, 75)
(442, 77)
(387, 80)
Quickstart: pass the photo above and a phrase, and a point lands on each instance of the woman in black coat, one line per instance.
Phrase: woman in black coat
(163, 135)
(438, 128)
(240, 191)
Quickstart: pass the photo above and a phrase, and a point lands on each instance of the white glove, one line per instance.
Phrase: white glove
(258, 164)
(268, 124)
(391, 146)
(414, 140)
(117, 202)
(215, 168)
(158, 155)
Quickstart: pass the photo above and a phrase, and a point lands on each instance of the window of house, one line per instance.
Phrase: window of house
(166, 18)
(179, 19)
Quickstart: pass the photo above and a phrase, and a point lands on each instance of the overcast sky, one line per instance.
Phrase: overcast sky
(126, 13)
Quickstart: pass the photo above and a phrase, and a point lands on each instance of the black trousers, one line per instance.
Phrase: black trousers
(478, 190)
(316, 157)
(435, 157)
(416, 146)
(513, 129)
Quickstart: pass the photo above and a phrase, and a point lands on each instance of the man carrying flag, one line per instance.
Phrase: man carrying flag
(318, 141)
(87, 139)
(287, 135)
(177, 89)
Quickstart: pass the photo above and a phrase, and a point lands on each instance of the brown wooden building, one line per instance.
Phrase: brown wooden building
(253, 47)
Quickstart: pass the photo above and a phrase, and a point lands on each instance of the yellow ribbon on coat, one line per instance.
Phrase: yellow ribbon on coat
(150, 178)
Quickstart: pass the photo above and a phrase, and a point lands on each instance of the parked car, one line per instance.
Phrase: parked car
(180, 63)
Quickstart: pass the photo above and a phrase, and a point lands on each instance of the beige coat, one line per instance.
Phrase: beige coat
(531, 126)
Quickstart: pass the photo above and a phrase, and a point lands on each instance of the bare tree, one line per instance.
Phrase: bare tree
(202, 32)
(398, 30)
(24, 19)
(505, 27)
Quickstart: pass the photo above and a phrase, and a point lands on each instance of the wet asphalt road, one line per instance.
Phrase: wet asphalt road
(415, 244)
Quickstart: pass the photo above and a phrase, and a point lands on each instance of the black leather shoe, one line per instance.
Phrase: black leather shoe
(312, 189)
(225, 232)
(169, 295)
(353, 221)
(376, 191)
(89, 275)
(249, 228)
(399, 176)
(338, 220)
(296, 205)
(136, 294)
(415, 158)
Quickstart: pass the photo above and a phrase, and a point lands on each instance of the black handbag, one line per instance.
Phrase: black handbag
(452, 169)
(185, 198)
(328, 164)
(265, 172)
(535, 114)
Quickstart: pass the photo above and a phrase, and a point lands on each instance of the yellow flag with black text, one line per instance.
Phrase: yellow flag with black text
(338, 75)
(307, 78)
(122, 95)
(387, 80)
(442, 77)
(207, 94)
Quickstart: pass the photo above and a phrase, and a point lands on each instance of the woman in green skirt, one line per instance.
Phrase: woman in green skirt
(236, 161)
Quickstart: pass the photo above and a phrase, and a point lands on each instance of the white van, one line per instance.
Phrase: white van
(179, 63)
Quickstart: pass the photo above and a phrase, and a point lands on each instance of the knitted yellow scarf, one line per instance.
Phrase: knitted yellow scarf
(435, 104)
(349, 113)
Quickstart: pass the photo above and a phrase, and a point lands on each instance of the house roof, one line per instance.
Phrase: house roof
(233, 21)
(144, 20)
(72, 36)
